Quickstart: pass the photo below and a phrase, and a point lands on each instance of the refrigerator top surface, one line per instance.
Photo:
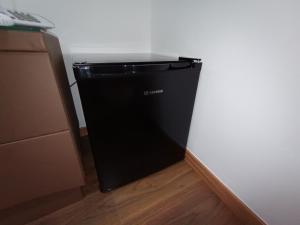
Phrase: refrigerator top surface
(121, 58)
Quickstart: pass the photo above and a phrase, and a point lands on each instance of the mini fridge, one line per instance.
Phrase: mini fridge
(138, 110)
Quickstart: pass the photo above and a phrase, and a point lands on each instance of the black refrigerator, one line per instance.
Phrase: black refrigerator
(138, 111)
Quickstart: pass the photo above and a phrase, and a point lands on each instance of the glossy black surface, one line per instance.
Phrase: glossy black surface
(138, 115)
(96, 58)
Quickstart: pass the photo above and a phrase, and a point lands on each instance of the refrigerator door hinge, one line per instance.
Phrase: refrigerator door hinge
(193, 60)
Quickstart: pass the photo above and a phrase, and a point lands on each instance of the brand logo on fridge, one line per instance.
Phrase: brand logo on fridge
(153, 92)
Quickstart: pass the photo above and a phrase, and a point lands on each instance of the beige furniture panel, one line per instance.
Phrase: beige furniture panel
(29, 98)
(22, 41)
(39, 136)
(36, 167)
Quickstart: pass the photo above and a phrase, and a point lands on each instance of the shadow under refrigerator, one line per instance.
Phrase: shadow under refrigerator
(138, 112)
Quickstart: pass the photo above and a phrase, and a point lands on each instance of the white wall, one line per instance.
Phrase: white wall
(245, 126)
(97, 26)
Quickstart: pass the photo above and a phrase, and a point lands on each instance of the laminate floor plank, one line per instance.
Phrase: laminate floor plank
(174, 196)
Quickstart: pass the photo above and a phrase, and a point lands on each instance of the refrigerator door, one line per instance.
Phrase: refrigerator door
(138, 117)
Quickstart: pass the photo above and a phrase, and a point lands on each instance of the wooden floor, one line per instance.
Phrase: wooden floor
(174, 196)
